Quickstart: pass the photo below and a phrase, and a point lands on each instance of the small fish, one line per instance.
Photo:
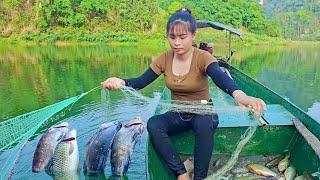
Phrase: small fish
(290, 173)
(249, 176)
(300, 178)
(188, 164)
(239, 170)
(47, 145)
(98, 148)
(274, 162)
(284, 163)
(261, 170)
(66, 157)
(123, 146)
(315, 174)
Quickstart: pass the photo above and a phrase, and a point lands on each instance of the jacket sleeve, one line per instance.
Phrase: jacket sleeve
(143, 80)
(221, 79)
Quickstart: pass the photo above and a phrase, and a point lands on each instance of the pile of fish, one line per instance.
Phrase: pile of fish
(57, 150)
(285, 170)
(276, 168)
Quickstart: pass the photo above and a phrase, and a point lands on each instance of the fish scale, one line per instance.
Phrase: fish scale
(65, 159)
(47, 144)
(99, 146)
(123, 145)
(61, 158)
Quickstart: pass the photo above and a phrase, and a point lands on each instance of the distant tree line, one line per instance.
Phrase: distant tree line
(23, 17)
(298, 19)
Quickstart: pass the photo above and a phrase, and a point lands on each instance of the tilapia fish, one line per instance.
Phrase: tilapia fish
(65, 160)
(261, 170)
(47, 145)
(123, 146)
(98, 148)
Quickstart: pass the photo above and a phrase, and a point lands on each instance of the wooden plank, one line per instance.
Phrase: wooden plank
(312, 140)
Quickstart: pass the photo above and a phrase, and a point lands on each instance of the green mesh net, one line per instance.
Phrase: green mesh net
(16, 131)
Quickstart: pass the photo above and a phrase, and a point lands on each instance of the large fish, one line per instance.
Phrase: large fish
(123, 146)
(65, 161)
(47, 145)
(261, 170)
(98, 148)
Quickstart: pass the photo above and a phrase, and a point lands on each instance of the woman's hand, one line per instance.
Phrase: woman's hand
(257, 104)
(113, 83)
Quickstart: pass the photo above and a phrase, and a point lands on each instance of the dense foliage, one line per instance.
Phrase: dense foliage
(84, 19)
(299, 19)
(237, 13)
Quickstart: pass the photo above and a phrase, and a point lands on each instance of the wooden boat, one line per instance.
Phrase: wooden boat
(287, 128)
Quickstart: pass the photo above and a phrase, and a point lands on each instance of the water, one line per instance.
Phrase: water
(293, 72)
(34, 77)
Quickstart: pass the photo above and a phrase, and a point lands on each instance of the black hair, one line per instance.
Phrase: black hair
(182, 15)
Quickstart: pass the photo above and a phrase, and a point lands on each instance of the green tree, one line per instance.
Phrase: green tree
(174, 6)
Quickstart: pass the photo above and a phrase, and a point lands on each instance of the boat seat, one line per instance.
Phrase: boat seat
(275, 115)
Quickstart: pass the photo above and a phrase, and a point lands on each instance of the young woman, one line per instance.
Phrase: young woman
(186, 70)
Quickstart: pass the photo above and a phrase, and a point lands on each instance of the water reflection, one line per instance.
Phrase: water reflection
(313, 111)
(292, 72)
(34, 77)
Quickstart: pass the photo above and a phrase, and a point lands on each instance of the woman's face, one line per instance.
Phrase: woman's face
(180, 40)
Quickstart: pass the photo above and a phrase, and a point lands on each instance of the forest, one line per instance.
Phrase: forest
(124, 20)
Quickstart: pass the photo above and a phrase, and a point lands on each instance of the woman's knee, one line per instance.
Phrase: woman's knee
(153, 124)
(206, 124)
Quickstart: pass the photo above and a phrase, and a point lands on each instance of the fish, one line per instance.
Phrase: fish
(65, 160)
(249, 176)
(188, 164)
(73, 175)
(123, 145)
(290, 173)
(315, 175)
(47, 145)
(284, 163)
(261, 170)
(275, 161)
(300, 178)
(98, 148)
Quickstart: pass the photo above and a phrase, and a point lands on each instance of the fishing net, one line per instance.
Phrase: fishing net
(200, 107)
(20, 135)
(16, 131)
(220, 174)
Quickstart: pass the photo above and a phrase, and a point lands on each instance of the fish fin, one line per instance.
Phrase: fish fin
(60, 138)
(49, 167)
(71, 148)
(84, 167)
(136, 138)
(93, 137)
(126, 166)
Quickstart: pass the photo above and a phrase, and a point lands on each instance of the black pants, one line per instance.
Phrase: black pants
(162, 126)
